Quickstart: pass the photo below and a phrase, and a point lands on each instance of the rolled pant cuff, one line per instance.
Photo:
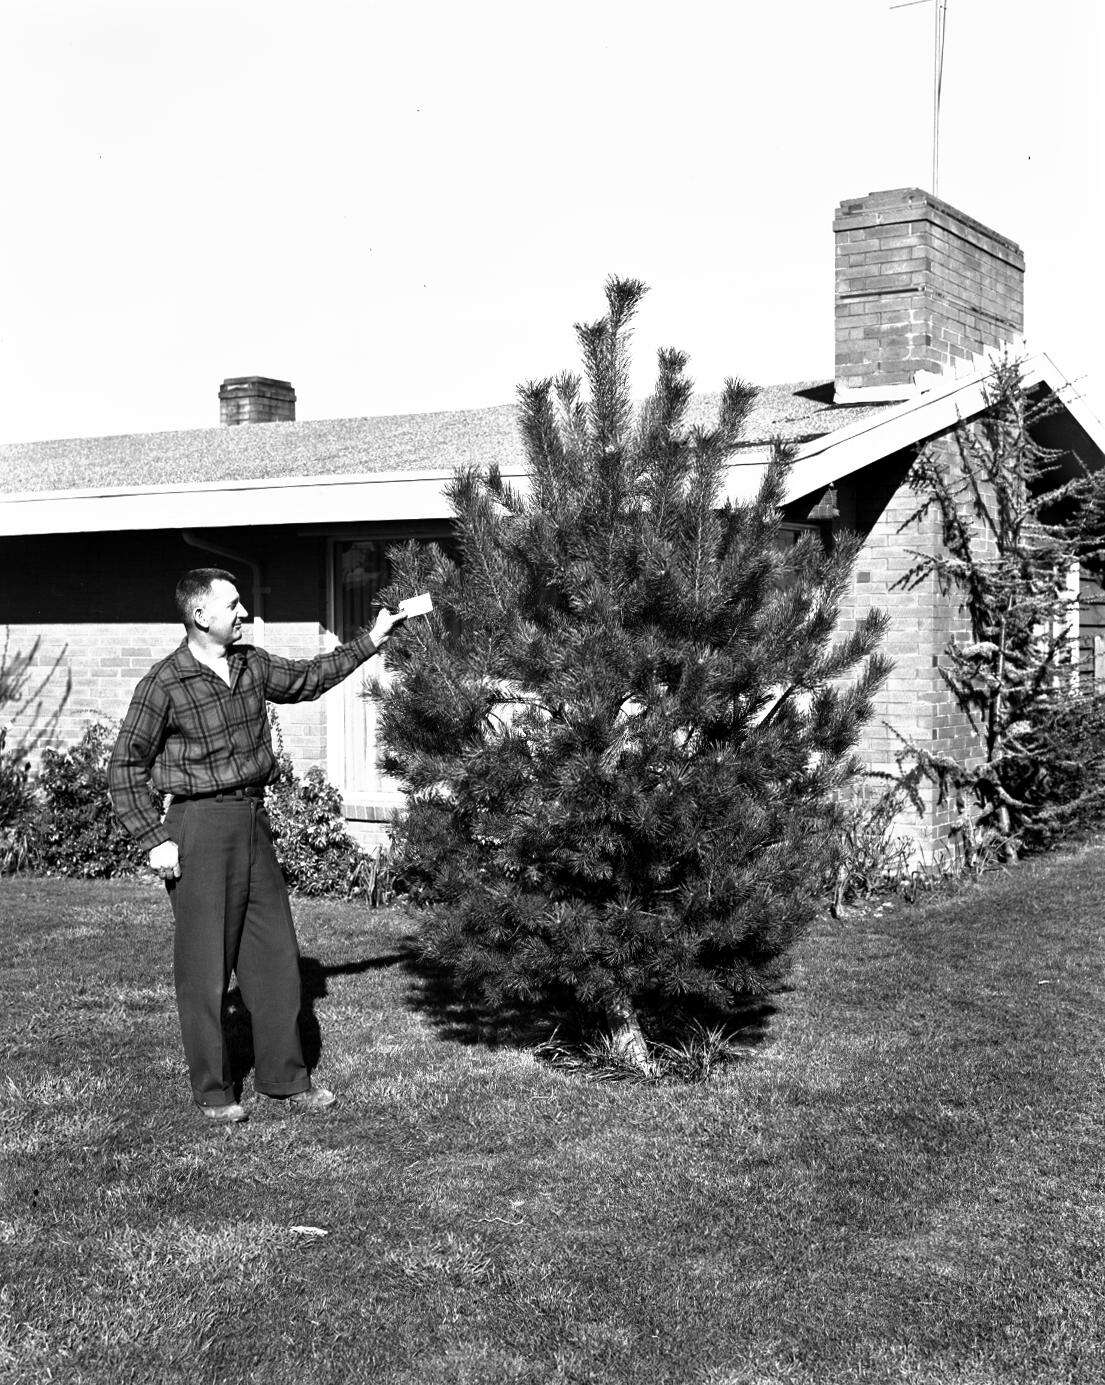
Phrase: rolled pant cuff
(302, 1084)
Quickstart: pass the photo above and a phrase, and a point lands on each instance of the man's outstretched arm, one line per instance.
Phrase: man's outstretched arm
(302, 680)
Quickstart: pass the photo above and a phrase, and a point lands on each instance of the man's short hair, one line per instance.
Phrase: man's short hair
(193, 588)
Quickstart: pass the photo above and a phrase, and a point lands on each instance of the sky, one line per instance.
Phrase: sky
(405, 207)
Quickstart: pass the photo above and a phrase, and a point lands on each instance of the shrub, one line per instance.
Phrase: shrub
(313, 846)
(696, 1057)
(79, 833)
(1018, 519)
(18, 816)
(871, 855)
(1063, 775)
(60, 821)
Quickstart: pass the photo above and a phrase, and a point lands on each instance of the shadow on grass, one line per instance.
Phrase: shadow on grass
(238, 1029)
(458, 1017)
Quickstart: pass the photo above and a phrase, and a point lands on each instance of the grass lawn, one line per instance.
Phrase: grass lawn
(904, 1181)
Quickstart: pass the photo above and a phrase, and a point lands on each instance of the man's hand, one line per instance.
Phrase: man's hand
(385, 623)
(165, 860)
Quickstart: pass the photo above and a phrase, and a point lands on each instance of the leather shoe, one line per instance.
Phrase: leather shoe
(230, 1114)
(313, 1099)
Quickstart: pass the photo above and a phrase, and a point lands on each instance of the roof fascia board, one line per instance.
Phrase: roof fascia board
(373, 497)
(360, 478)
(1064, 389)
(819, 463)
(317, 501)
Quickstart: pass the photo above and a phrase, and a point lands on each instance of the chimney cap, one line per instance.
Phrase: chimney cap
(241, 380)
(898, 205)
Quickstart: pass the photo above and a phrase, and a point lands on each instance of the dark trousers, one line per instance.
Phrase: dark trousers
(232, 915)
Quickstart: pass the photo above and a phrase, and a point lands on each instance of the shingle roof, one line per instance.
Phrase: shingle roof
(349, 446)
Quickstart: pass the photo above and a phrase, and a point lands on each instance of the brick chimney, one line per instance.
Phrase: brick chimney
(920, 288)
(256, 399)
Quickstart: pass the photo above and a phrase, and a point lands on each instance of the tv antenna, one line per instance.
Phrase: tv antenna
(940, 20)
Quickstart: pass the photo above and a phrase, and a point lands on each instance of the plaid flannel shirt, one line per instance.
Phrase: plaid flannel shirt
(189, 733)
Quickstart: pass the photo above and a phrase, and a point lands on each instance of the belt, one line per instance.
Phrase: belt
(250, 791)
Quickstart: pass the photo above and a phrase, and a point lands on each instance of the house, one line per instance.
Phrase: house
(94, 532)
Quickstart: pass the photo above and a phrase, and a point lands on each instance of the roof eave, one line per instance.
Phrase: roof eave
(829, 459)
(373, 496)
(390, 496)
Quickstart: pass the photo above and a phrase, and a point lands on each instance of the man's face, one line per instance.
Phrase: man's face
(222, 613)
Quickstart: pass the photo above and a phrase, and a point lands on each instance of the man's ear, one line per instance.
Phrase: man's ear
(198, 618)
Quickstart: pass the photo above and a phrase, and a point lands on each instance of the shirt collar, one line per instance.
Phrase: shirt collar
(185, 662)
(188, 666)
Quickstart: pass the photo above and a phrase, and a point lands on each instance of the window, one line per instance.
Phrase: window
(361, 570)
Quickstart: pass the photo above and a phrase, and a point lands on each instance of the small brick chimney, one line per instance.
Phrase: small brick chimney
(256, 399)
(920, 287)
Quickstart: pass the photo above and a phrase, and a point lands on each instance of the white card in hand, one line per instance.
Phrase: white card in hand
(416, 605)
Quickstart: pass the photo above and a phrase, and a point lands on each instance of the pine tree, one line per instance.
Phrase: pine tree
(1019, 522)
(624, 729)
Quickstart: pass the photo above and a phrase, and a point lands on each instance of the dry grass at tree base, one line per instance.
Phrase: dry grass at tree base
(902, 1183)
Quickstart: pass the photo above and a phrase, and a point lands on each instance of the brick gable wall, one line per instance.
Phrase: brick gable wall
(915, 704)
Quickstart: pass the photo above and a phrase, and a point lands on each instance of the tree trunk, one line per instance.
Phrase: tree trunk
(625, 1031)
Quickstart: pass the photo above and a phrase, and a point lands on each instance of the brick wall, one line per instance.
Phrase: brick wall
(95, 611)
(915, 705)
(91, 636)
(919, 286)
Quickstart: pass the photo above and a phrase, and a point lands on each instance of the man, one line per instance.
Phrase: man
(197, 727)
